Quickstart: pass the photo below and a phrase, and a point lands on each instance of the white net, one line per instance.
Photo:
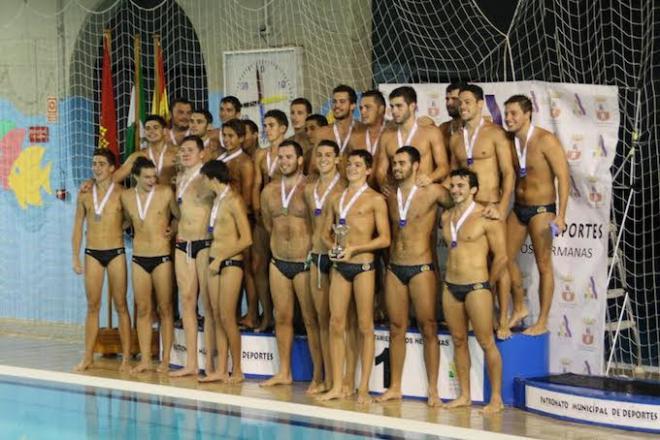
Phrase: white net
(362, 43)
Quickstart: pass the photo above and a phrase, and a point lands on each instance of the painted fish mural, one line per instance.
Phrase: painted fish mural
(27, 177)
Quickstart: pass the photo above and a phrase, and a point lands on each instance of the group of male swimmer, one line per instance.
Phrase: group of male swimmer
(308, 219)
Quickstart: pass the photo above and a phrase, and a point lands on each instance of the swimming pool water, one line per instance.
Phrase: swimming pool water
(31, 409)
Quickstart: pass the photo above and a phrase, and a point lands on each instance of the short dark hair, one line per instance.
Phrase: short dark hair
(477, 91)
(303, 101)
(296, 146)
(250, 123)
(329, 143)
(207, 114)
(157, 118)
(196, 139)
(140, 163)
(365, 155)
(234, 101)
(216, 169)
(343, 88)
(473, 180)
(278, 115)
(105, 152)
(456, 85)
(406, 92)
(180, 100)
(236, 125)
(524, 102)
(377, 95)
(412, 152)
(320, 119)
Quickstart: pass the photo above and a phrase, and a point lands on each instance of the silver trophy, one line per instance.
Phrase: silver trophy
(341, 234)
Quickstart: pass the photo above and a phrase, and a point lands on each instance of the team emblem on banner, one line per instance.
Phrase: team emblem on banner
(574, 153)
(602, 112)
(434, 106)
(595, 194)
(567, 293)
(588, 333)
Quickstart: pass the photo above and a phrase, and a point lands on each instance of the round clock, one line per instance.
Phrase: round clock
(263, 80)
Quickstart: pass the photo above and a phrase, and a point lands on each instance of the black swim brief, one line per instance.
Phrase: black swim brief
(322, 261)
(228, 263)
(290, 268)
(192, 248)
(525, 212)
(105, 256)
(350, 270)
(406, 273)
(150, 263)
(461, 291)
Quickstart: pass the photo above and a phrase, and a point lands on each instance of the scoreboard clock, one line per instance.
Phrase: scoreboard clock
(263, 80)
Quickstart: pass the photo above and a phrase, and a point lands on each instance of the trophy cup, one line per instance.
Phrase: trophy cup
(341, 232)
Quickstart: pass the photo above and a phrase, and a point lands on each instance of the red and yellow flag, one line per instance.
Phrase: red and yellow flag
(159, 103)
(108, 119)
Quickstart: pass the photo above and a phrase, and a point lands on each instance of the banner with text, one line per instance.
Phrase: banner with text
(586, 119)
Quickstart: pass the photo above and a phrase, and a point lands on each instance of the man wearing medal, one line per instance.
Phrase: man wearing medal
(286, 220)
(181, 109)
(318, 195)
(372, 113)
(359, 220)
(484, 148)
(100, 209)
(413, 215)
(200, 125)
(540, 160)
(150, 208)
(471, 237)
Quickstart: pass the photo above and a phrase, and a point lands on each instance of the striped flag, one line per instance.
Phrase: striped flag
(159, 103)
(108, 117)
(137, 109)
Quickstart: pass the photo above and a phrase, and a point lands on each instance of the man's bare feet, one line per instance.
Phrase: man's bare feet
(124, 367)
(265, 326)
(278, 379)
(494, 406)
(248, 322)
(185, 371)
(363, 398)
(461, 402)
(331, 395)
(214, 377)
(503, 332)
(390, 394)
(84, 365)
(143, 366)
(517, 317)
(236, 377)
(536, 329)
(315, 388)
(435, 402)
(164, 367)
(347, 390)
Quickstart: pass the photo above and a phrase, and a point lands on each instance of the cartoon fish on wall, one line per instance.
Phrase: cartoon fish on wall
(27, 177)
(10, 148)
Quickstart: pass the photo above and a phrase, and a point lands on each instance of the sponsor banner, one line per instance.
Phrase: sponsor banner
(631, 415)
(414, 382)
(585, 118)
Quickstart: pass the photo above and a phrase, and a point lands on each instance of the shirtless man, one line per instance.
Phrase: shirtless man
(100, 208)
(312, 125)
(230, 108)
(200, 125)
(343, 130)
(484, 148)
(427, 139)
(466, 295)
(157, 150)
(372, 112)
(364, 212)
(265, 169)
(230, 228)
(300, 109)
(251, 142)
(286, 220)
(455, 124)
(150, 208)
(317, 197)
(541, 160)
(413, 215)
(192, 252)
(241, 171)
(181, 110)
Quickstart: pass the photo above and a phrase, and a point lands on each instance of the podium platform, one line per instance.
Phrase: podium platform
(613, 402)
(523, 357)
